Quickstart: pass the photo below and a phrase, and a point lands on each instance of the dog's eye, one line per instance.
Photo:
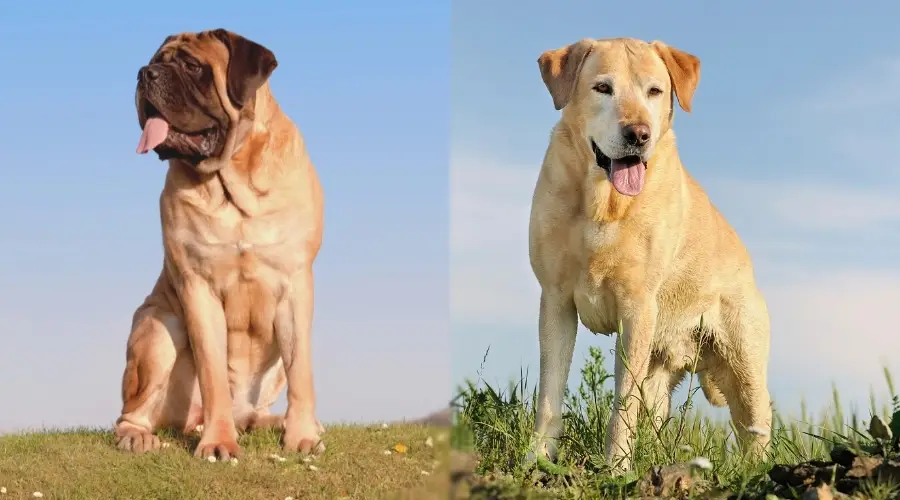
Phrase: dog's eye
(603, 88)
(654, 91)
(192, 66)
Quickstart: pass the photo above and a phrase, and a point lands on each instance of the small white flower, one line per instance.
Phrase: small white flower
(37, 494)
(387, 452)
(426, 473)
(685, 448)
(384, 425)
(277, 458)
(306, 460)
(2, 490)
(313, 468)
(211, 459)
(288, 498)
(166, 445)
(701, 463)
(759, 431)
(429, 442)
(234, 462)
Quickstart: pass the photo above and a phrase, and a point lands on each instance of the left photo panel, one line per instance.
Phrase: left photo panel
(228, 270)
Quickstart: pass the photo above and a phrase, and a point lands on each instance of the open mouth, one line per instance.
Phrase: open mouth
(626, 174)
(603, 161)
(158, 131)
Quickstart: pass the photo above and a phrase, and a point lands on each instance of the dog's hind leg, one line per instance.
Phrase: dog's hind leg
(265, 420)
(711, 390)
(259, 420)
(744, 383)
(158, 378)
(657, 391)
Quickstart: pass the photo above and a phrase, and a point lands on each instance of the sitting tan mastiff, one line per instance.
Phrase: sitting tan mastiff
(227, 324)
(620, 232)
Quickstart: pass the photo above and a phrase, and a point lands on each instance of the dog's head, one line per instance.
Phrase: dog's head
(619, 92)
(191, 96)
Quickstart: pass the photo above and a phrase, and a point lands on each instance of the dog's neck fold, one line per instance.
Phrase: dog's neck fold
(250, 132)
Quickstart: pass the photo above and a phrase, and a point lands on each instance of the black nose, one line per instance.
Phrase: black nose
(148, 74)
(636, 134)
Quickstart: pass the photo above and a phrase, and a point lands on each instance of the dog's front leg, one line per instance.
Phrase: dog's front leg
(557, 325)
(292, 328)
(206, 328)
(633, 349)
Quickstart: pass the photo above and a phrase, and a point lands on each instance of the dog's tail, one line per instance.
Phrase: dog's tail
(711, 391)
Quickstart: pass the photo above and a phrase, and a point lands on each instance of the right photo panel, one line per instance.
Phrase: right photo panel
(674, 234)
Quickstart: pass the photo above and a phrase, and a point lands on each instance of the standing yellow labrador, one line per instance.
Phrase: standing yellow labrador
(620, 231)
(228, 323)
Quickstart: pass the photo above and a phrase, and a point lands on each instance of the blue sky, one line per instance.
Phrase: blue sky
(369, 88)
(793, 134)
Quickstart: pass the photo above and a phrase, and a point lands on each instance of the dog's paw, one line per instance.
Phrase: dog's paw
(304, 437)
(220, 444)
(542, 447)
(222, 450)
(134, 440)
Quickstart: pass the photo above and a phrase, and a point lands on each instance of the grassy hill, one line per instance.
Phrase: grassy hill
(361, 462)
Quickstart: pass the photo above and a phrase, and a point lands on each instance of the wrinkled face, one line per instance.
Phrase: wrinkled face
(619, 92)
(189, 97)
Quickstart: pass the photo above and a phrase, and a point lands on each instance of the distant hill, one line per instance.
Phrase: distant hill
(441, 418)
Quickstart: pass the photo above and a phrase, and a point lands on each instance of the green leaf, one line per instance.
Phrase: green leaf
(548, 467)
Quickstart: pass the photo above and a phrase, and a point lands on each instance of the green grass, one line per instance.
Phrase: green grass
(85, 464)
(497, 426)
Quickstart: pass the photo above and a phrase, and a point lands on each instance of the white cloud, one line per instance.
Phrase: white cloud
(867, 87)
(842, 323)
(817, 205)
(837, 323)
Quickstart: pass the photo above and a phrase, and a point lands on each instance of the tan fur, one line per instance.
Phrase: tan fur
(657, 261)
(227, 324)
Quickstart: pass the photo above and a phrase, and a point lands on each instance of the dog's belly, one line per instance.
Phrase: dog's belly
(677, 335)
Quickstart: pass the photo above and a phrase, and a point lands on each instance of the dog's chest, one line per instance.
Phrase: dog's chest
(594, 298)
(229, 247)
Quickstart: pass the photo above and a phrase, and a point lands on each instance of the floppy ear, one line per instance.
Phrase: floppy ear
(560, 68)
(249, 66)
(684, 70)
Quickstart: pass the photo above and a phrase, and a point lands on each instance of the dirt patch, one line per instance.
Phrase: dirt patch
(848, 472)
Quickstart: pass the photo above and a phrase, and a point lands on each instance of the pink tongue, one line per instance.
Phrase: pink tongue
(155, 131)
(627, 176)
